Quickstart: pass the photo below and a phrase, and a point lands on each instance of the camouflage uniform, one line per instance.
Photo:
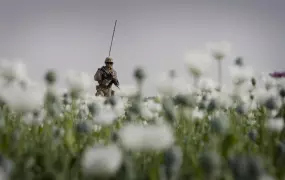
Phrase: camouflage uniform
(105, 82)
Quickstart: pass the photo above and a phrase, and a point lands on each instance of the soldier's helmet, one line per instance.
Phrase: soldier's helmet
(108, 60)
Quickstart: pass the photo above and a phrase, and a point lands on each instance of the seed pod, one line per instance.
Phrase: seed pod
(210, 163)
(172, 162)
(139, 74)
(50, 77)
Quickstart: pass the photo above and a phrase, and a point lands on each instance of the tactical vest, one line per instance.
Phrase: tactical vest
(106, 81)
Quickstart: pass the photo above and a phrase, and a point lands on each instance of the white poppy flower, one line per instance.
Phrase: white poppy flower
(106, 116)
(13, 70)
(207, 84)
(240, 75)
(219, 50)
(197, 114)
(198, 62)
(22, 100)
(137, 137)
(78, 81)
(171, 86)
(275, 125)
(102, 161)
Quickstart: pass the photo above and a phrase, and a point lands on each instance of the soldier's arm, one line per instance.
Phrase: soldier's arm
(115, 78)
(98, 76)
(115, 75)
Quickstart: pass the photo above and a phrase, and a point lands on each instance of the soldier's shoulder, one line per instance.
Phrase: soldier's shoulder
(101, 68)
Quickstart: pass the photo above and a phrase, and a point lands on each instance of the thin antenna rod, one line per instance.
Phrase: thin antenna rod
(112, 38)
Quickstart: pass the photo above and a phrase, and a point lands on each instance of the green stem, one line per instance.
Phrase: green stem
(220, 72)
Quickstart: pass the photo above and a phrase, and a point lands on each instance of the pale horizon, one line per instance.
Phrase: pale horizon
(156, 35)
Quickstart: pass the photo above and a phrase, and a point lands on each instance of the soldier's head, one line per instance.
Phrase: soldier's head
(109, 62)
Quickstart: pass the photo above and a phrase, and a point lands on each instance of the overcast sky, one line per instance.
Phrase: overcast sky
(70, 34)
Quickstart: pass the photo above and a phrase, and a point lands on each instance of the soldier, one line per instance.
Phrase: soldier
(106, 76)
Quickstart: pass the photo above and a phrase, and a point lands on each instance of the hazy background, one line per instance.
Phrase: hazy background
(70, 34)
